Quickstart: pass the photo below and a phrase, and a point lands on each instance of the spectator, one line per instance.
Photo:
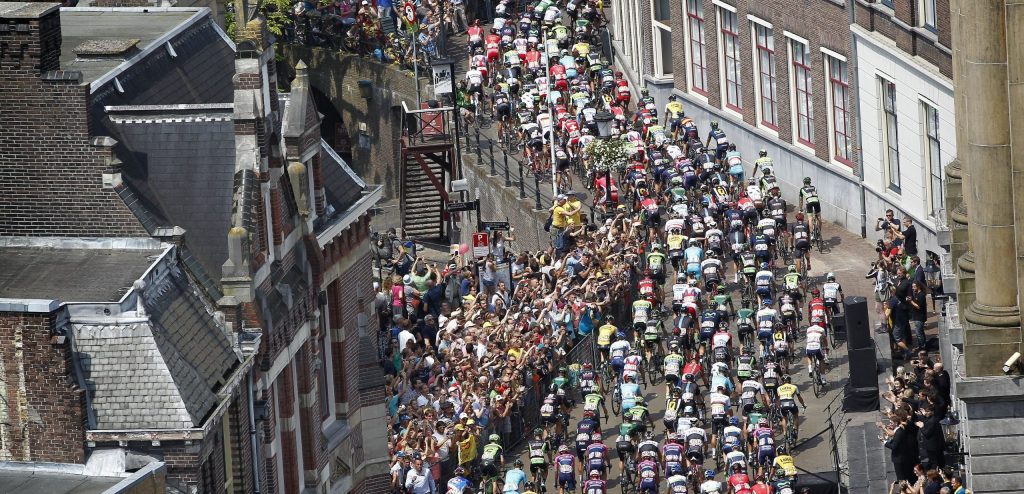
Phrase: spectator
(419, 479)
(909, 236)
(902, 442)
(888, 223)
(931, 441)
(942, 382)
(918, 313)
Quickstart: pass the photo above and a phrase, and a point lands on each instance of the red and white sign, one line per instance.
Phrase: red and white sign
(410, 12)
(481, 244)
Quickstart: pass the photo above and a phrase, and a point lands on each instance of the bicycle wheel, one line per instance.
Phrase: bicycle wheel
(816, 380)
(616, 401)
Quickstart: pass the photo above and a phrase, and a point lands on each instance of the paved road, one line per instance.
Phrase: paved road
(847, 257)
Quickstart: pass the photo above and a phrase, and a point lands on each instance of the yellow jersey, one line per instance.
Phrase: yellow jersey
(786, 464)
(673, 108)
(787, 391)
(604, 334)
(558, 217)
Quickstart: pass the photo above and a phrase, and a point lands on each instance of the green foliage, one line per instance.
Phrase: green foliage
(276, 13)
(229, 19)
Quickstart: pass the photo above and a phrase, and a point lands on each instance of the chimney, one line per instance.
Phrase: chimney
(30, 38)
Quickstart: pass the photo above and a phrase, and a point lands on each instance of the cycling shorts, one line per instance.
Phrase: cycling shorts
(765, 455)
(813, 207)
(567, 481)
(672, 379)
(811, 354)
(504, 110)
(648, 486)
(788, 406)
(541, 468)
(763, 290)
(488, 468)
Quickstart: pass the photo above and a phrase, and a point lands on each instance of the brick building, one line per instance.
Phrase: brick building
(185, 257)
(803, 80)
(905, 96)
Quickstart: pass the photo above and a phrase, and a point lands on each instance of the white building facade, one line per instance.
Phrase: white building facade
(907, 132)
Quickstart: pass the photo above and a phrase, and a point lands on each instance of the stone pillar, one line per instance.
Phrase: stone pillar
(1015, 83)
(958, 188)
(993, 329)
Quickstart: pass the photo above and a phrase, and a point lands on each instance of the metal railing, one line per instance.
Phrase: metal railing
(428, 125)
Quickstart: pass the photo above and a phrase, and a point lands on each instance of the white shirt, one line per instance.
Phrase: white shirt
(619, 348)
(420, 482)
(814, 336)
(711, 487)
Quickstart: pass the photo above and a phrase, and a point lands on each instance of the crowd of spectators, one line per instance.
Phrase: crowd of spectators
(469, 339)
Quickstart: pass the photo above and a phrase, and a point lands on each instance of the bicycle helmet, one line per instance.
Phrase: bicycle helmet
(518, 463)
(460, 471)
(764, 265)
(807, 180)
(763, 153)
(815, 292)
(632, 351)
(709, 474)
(792, 268)
(786, 378)
(737, 467)
(588, 414)
(830, 277)
(734, 421)
(766, 302)
(563, 449)
(595, 474)
(799, 217)
(714, 124)
(494, 438)
(649, 435)
(763, 422)
(758, 407)
(620, 335)
(538, 432)
(588, 365)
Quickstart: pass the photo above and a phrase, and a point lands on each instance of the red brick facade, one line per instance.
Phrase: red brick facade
(42, 403)
(903, 24)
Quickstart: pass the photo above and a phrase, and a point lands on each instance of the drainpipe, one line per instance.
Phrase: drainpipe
(252, 437)
(860, 148)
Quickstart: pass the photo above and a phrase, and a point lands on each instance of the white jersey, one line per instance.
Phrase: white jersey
(830, 290)
(720, 339)
(764, 278)
(815, 334)
(679, 291)
(767, 226)
(715, 265)
(674, 152)
(719, 403)
(474, 77)
(677, 484)
(695, 436)
(720, 369)
(619, 349)
(754, 193)
(675, 223)
(711, 487)
(766, 319)
(750, 389)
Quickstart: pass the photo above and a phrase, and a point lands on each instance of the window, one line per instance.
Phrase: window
(731, 58)
(839, 93)
(660, 19)
(322, 380)
(804, 103)
(891, 136)
(928, 15)
(888, 3)
(933, 157)
(764, 41)
(697, 42)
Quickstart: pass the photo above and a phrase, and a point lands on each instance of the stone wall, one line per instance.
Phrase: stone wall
(498, 203)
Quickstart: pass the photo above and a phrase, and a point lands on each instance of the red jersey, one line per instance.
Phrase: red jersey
(475, 32)
(533, 58)
(558, 70)
(816, 309)
(693, 368)
(761, 488)
(739, 482)
(492, 41)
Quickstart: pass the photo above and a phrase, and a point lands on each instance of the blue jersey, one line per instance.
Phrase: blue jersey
(693, 254)
(515, 479)
(565, 465)
(458, 485)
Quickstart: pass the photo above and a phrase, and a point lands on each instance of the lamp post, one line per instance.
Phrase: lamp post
(604, 132)
(951, 433)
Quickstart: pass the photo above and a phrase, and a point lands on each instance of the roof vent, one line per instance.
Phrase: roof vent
(106, 49)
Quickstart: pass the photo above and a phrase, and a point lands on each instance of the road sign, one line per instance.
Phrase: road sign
(454, 207)
(481, 244)
(409, 13)
(495, 225)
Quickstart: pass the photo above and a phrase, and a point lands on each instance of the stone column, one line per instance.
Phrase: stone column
(958, 188)
(1015, 83)
(993, 329)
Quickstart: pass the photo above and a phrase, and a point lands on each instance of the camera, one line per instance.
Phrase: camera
(1012, 362)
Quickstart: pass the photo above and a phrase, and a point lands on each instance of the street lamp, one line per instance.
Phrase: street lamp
(604, 124)
(950, 426)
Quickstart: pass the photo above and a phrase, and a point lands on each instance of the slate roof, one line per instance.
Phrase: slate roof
(341, 185)
(161, 374)
(71, 275)
(179, 164)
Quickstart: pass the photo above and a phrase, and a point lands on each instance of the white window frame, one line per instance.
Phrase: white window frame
(929, 15)
(723, 61)
(794, 98)
(701, 38)
(892, 180)
(828, 58)
(762, 122)
(931, 154)
(656, 28)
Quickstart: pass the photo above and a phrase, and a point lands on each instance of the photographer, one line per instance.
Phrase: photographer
(889, 223)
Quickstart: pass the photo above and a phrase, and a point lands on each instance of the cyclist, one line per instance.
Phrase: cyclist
(792, 283)
(764, 283)
(656, 263)
(593, 400)
(788, 395)
(721, 141)
(782, 483)
(548, 415)
(639, 415)
(809, 202)
(628, 391)
(459, 484)
(618, 352)
(502, 109)
(597, 456)
(739, 481)
(595, 484)
(565, 465)
(648, 448)
(588, 380)
(800, 240)
(732, 438)
(767, 319)
(515, 479)
(751, 393)
(586, 427)
(540, 456)
(832, 293)
(674, 115)
(673, 364)
(672, 455)
(710, 485)
(693, 255)
(761, 242)
(764, 441)
(784, 463)
(631, 365)
(711, 271)
(677, 484)
(642, 310)
(763, 162)
(624, 444)
(648, 476)
(745, 363)
(604, 337)
(813, 349)
(696, 440)
(492, 460)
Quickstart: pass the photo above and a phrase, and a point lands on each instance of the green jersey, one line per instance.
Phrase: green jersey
(538, 452)
(673, 362)
(491, 452)
(638, 413)
(792, 280)
(592, 401)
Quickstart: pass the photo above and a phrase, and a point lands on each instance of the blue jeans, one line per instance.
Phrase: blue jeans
(918, 328)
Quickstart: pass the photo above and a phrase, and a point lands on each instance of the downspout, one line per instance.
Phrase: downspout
(860, 148)
(252, 437)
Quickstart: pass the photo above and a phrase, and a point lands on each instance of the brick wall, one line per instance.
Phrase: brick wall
(41, 409)
(817, 24)
(899, 25)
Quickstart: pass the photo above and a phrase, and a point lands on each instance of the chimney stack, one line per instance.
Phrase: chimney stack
(30, 38)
